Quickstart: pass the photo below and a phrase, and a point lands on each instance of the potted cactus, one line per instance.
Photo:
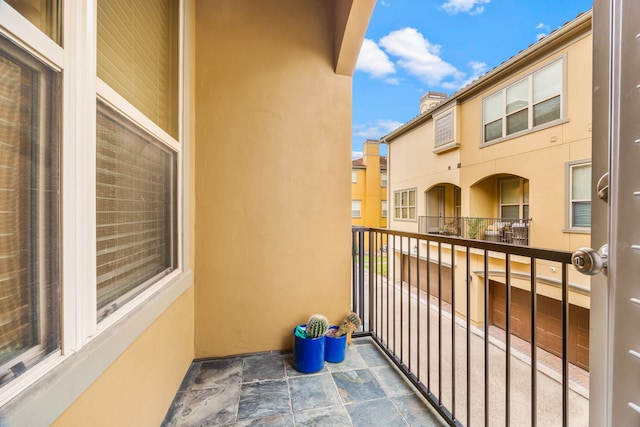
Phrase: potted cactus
(338, 337)
(309, 344)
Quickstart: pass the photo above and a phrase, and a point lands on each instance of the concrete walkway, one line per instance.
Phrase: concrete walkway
(429, 354)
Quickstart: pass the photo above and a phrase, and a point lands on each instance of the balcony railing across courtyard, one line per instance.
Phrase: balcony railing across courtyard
(504, 230)
(443, 308)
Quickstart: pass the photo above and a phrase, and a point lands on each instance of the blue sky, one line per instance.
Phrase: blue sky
(416, 46)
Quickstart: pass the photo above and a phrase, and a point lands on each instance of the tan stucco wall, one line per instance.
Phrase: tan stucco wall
(137, 389)
(272, 174)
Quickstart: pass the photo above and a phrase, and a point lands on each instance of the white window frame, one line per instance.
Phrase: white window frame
(384, 208)
(401, 208)
(569, 227)
(530, 105)
(86, 349)
(356, 213)
(354, 176)
(384, 179)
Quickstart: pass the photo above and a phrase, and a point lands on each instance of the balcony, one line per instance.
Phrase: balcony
(448, 312)
(439, 345)
(514, 231)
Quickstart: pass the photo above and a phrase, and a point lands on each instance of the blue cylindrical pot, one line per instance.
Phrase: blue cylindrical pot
(308, 353)
(335, 348)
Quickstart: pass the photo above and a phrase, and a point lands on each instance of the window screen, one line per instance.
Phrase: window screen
(136, 210)
(29, 213)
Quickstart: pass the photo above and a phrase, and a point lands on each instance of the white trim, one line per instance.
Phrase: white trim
(28, 36)
(60, 384)
(116, 101)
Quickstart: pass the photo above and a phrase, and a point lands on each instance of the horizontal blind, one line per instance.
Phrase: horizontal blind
(16, 332)
(134, 209)
(138, 55)
(29, 211)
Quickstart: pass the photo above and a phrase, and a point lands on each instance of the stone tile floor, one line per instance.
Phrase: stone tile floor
(265, 390)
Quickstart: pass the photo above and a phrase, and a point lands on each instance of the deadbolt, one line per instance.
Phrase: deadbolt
(589, 261)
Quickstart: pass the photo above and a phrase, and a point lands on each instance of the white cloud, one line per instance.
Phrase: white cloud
(393, 81)
(385, 3)
(376, 130)
(419, 57)
(472, 7)
(374, 61)
(545, 27)
(356, 155)
(477, 70)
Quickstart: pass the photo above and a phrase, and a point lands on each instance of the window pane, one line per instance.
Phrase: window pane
(517, 96)
(510, 191)
(510, 212)
(525, 211)
(547, 82)
(412, 198)
(44, 14)
(138, 56)
(384, 208)
(492, 107)
(29, 211)
(493, 131)
(546, 111)
(383, 178)
(412, 213)
(581, 214)
(581, 182)
(518, 121)
(136, 210)
(525, 191)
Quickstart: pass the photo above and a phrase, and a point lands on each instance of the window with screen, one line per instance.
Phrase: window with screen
(135, 210)
(29, 211)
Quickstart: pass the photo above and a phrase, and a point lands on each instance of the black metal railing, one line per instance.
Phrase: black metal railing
(504, 230)
(430, 303)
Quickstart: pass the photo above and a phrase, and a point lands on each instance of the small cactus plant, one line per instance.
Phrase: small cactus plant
(348, 325)
(317, 326)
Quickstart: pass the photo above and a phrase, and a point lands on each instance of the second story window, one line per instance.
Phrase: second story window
(354, 177)
(533, 101)
(384, 208)
(444, 129)
(405, 204)
(383, 179)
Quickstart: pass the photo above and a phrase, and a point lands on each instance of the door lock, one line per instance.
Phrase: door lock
(591, 262)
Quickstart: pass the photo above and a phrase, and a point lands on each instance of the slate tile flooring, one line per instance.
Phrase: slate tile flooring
(265, 390)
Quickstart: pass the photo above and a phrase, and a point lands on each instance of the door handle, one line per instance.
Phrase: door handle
(602, 188)
(591, 262)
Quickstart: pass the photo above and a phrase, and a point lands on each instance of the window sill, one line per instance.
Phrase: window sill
(577, 230)
(48, 396)
(524, 132)
(446, 147)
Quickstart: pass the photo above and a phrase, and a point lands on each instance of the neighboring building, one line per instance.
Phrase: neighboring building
(508, 159)
(369, 188)
(157, 165)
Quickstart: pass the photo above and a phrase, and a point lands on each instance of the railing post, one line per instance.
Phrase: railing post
(372, 273)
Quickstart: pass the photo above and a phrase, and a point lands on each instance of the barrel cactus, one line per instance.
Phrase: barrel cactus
(317, 326)
(348, 325)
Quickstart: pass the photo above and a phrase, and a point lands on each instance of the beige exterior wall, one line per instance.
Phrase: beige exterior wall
(272, 172)
(137, 389)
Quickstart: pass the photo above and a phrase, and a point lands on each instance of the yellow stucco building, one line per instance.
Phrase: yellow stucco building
(507, 159)
(170, 189)
(369, 187)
